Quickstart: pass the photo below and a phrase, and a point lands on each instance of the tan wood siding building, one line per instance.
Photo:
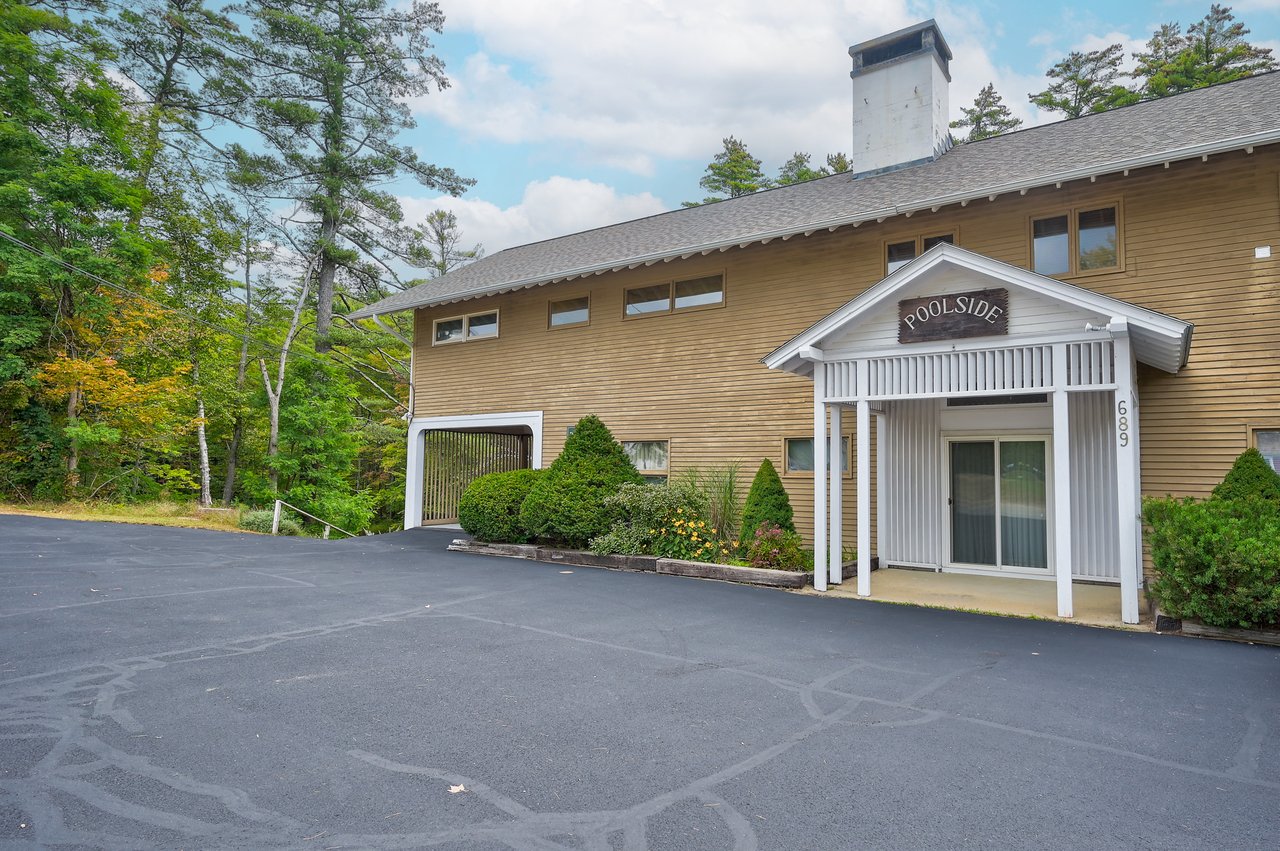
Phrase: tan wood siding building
(1188, 237)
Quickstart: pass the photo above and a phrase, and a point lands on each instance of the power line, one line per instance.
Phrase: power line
(98, 279)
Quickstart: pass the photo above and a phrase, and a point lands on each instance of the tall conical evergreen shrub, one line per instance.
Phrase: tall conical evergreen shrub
(767, 501)
(1250, 477)
(567, 505)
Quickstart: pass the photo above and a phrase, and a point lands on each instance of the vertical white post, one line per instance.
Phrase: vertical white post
(881, 514)
(1128, 477)
(1063, 561)
(836, 499)
(864, 497)
(819, 477)
(275, 520)
(413, 478)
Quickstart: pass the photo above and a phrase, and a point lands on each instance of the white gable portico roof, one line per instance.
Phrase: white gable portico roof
(1158, 340)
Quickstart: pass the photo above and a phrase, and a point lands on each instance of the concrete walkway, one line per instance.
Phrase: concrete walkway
(1095, 605)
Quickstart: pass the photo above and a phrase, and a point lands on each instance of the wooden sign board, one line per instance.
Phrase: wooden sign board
(981, 313)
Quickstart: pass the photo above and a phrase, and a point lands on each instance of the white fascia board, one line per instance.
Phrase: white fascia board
(1203, 150)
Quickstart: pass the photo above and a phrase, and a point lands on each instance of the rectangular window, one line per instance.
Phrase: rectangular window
(1268, 443)
(699, 292)
(672, 297)
(1097, 230)
(899, 254)
(649, 456)
(1078, 241)
(482, 326)
(458, 329)
(570, 311)
(1050, 246)
(645, 300)
(799, 452)
(450, 330)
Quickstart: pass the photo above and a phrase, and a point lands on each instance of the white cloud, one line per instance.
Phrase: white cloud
(631, 84)
(548, 208)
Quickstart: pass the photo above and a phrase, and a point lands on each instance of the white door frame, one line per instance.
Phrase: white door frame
(468, 422)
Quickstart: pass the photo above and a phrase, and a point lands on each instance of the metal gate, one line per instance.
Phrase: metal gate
(451, 460)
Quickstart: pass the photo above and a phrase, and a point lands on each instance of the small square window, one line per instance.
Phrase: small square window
(899, 254)
(1050, 246)
(799, 451)
(700, 292)
(645, 300)
(570, 311)
(482, 326)
(450, 330)
(1268, 443)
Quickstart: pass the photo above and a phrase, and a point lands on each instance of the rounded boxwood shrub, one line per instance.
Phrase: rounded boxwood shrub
(1250, 477)
(767, 502)
(489, 509)
(260, 521)
(1217, 561)
(567, 504)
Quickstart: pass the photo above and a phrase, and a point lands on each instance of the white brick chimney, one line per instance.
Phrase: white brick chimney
(900, 85)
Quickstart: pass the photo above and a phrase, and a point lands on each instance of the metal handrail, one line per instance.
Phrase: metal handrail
(275, 520)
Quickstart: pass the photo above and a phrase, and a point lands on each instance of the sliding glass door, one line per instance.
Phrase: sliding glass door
(999, 504)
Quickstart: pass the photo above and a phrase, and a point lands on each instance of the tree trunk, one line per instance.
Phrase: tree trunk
(206, 496)
(324, 284)
(237, 429)
(73, 450)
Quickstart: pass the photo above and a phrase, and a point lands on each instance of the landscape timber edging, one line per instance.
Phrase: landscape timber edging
(648, 564)
(1269, 637)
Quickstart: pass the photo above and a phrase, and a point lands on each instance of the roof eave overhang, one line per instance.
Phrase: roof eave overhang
(1165, 158)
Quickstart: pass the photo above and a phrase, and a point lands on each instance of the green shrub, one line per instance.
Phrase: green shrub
(767, 502)
(261, 520)
(1250, 477)
(777, 549)
(667, 520)
(567, 504)
(1217, 561)
(489, 509)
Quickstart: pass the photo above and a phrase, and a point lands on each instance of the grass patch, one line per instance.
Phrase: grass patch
(185, 514)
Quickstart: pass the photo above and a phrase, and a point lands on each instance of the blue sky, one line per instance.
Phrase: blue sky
(573, 114)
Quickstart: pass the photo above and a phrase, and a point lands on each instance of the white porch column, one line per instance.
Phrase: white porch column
(1063, 561)
(864, 493)
(1128, 474)
(819, 477)
(413, 477)
(836, 499)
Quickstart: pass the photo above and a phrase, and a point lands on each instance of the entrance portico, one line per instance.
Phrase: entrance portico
(1005, 423)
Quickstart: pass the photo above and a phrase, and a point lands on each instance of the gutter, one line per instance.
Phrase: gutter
(1203, 150)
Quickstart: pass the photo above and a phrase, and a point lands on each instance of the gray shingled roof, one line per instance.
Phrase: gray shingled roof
(1221, 118)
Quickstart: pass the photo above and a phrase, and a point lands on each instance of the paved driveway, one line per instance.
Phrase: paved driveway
(189, 689)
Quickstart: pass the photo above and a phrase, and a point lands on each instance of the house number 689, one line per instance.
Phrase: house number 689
(1122, 421)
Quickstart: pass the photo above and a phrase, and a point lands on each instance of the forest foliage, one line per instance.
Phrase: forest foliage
(191, 196)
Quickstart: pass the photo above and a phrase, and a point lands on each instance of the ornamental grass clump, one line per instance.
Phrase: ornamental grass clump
(260, 520)
(767, 502)
(566, 505)
(489, 509)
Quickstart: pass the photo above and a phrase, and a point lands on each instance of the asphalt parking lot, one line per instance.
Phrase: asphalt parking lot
(168, 688)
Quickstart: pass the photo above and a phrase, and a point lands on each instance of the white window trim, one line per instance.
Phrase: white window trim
(466, 327)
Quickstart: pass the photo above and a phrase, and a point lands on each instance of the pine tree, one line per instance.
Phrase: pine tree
(733, 172)
(1213, 50)
(987, 117)
(798, 170)
(1085, 83)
